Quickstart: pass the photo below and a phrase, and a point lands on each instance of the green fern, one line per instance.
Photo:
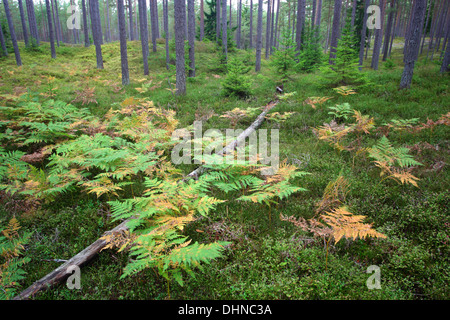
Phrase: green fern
(11, 247)
(384, 152)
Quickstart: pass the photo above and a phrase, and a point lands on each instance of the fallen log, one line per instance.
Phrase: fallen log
(60, 274)
(232, 145)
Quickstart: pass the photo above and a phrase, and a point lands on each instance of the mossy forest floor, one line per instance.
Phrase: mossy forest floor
(269, 259)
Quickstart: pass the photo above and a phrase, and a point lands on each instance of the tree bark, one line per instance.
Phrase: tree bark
(202, 20)
(143, 27)
(259, 36)
(191, 37)
(12, 32)
(440, 29)
(231, 24)
(87, 43)
(130, 19)
(123, 42)
(335, 31)
(318, 17)
(272, 18)
(108, 21)
(300, 22)
(426, 26)
(395, 26)
(313, 14)
(446, 60)
(354, 5)
(3, 43)
(414, 43)
(275, 43)
(251, 25)
(180, 20)
(153, 24)
(166, 30)
(58, 23)
(218, 24)
(96, 31)
(61, 273)
(55, 27)
(378, 39)
(239, 140)
(239, 29)
(363, 35)
(158, 34)
(224, 29)
(32, 21)
(269, 12)
(388, 32)
(50, 29)
(24, 25)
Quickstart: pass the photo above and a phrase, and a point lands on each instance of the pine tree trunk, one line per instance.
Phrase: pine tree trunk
(180, 20)
(259, 36)
(251, 25)
(43, 22)
(12, 32)
(434, 21)
(143, 27)
(123, 42)
(166, 30)
(202, 20)
(300, 20)
(224, 30)
(269, 11)
(231, 24)
(3, 43)
(395, 27)
(414, 43)
(191, 37)
(24, 25)
(276, 25)
(294, 20)
(136, 21)
(218, 24)
(58, 23)
(153, 23)
(335, 31)
(32, 21)
(408, 27)
(96, 31)
(155, 4)
(272, 16)
(446, 60)
(378, 39)
(440, 29)
(363, 34)
(108, 21)
(344, 15)
(426, 26)
(50, 29)
(55, 27)
(388, 32)
(130, 18)
(352, 22)
(74, 31)
(318, 16)
(239, 29)
(313, 14)
(87, 43)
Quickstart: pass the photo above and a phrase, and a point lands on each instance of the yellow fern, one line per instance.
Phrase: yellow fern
(344, 224)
